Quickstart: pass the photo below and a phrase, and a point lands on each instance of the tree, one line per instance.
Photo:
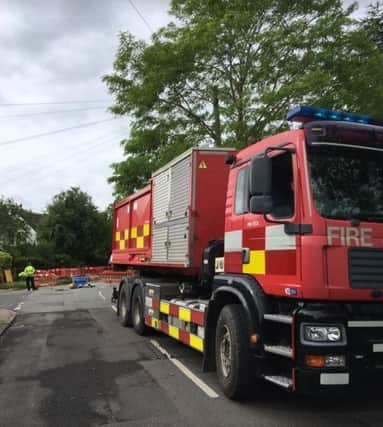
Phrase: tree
(13, 228)
(228, 71)
(373, 24)
(74, 231)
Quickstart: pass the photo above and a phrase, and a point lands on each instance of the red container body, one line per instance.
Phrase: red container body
(166, 225)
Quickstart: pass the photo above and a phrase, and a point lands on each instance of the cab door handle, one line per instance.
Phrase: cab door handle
(245, 255)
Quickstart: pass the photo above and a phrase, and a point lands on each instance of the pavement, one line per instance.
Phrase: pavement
(6, 319)
(66, 361)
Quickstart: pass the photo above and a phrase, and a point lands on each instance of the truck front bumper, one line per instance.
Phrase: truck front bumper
(311, 381)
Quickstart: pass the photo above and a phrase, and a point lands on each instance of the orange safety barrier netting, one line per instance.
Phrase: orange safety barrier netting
(50, 276)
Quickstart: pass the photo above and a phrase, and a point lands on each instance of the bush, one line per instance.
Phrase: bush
(20, 262)
(5, 260)
(13, 286)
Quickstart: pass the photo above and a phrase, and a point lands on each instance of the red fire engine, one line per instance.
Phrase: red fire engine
(269, 261)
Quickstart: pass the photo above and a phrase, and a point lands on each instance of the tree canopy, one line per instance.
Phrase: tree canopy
(74, 231)
(225, 73)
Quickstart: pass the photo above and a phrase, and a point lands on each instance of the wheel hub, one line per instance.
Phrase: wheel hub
(225, 352)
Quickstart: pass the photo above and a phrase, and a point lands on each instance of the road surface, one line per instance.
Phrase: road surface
(66, 361)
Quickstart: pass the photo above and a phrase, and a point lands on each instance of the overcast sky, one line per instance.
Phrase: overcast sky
(56, 51)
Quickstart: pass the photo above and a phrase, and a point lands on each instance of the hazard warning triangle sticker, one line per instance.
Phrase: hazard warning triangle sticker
(202, 165)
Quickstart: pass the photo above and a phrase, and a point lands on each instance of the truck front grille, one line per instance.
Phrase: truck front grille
(365, 268)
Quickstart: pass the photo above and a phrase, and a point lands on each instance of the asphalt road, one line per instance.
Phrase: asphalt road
(12, 300)
(66, 361)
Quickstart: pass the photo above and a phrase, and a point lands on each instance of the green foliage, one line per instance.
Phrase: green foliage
(74, 232)
(5, 260)
(39, 262)
(373, 24)
(14, 230)
(227, 73)
(15, 286)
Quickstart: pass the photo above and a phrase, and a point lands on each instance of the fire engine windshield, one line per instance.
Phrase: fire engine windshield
(347, 181)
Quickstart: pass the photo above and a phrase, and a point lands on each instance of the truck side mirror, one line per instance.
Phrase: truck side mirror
(260, 176)
(261, 204)
(260, 185)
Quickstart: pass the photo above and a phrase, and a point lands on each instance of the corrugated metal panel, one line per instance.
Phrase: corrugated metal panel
(180, 189)
(160, 246)
(179, 242)
(161, 188)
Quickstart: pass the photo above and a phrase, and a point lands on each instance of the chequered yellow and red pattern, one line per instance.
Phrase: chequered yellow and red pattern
(184, 314)
(177, 333)
(135, 237)
(272, 251)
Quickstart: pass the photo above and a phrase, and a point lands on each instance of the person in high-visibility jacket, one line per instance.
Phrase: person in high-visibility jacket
(29, 273)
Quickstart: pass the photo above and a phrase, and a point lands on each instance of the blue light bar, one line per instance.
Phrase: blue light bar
(309, 114)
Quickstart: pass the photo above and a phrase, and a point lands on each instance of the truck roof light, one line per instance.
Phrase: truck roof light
(309, 114)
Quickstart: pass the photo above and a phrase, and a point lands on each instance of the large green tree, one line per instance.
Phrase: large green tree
(14, 230)
(226, 72)
(74, 231)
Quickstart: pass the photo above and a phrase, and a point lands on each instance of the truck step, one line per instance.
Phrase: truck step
(280, 350)
(281, 318)
(284, 382)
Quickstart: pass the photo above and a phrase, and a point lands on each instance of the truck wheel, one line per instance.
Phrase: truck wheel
(138, 312)
(232, 352)
(123, 312)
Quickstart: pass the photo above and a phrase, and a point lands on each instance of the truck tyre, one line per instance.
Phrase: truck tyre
(232, 352)
(123, 310)
(138, 312)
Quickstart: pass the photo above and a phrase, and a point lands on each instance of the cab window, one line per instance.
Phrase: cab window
(241, 205)
(282, 191)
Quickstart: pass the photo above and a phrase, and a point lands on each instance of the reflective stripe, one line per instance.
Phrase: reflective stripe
(377, 348)
(233, 241)
(277, 239)
(164, 307)
(196, 342)
(146, 230)
(257, 263)
(184, 314)
(365, 324)
(140, 242)
(335, 379)
(173, 332)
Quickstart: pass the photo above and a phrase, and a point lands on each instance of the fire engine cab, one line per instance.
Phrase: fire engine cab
(268, 260)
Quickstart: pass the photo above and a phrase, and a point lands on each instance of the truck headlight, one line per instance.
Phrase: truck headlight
(323, 334)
